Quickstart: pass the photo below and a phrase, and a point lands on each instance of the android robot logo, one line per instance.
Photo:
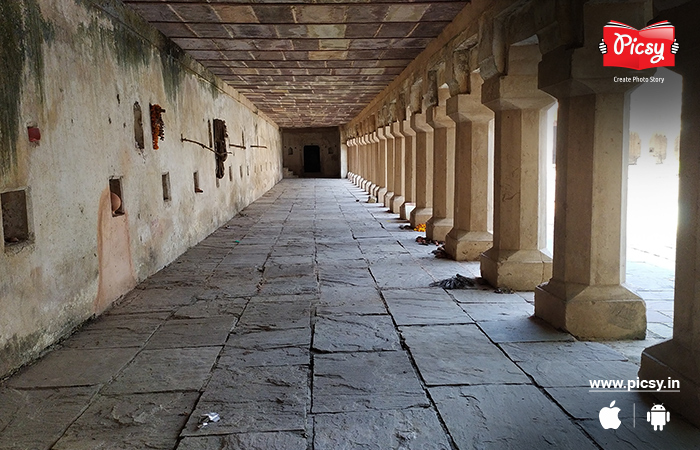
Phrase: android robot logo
(658, 416)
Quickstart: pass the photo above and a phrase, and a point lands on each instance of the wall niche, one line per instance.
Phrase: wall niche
(15, 219)
(138, 127)
(220, 150)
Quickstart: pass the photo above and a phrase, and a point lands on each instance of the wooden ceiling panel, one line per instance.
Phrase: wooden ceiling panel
(304, 63)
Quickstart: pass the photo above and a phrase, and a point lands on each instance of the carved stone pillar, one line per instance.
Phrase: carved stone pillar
(399, 166)
(470, 236)
(409, 169)
(443, 173)
(424, 170)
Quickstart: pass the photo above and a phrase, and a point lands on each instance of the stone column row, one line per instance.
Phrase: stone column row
(384, 164)
(585, 293)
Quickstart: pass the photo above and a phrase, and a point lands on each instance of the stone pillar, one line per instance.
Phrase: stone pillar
(424, 170)
(679, 358)
(381, 166)
(517, 259)
(409, 168)
(349, 147)
(354, 161)
(359, 157)
(388, 198)
(443, 173)
(343, 159)
(470, 236)
(399, 178)
(374, 165)
(586, 295)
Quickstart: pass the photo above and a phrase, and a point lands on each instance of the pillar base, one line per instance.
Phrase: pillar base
(405, 210)
(467, 245)
(388, 198)
(520, 270)
(381, 193)
(610, 312)
(670, 360)
(396, 203)
(420, 215)
(437, 229)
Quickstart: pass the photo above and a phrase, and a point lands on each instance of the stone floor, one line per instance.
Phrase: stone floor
(307, 323)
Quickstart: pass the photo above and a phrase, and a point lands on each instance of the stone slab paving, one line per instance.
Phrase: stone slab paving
(269, 315)
(250, 441)
(129, 422)
(506, 417)
(37, 418)
(409, 429)
(307, 322)
(349, 300)
(459, 354)
(201, 332)
(349, 333)
(253, 399)
(529, 329)
(202, 309)
(74, 367)
(165, 370)
(115, 331)
(498, 311)
(423, 306)
(365, 381)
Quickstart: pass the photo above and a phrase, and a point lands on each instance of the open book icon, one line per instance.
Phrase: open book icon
(638, 49)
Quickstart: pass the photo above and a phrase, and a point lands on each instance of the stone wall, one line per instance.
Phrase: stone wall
(76, 73)
(327, 139)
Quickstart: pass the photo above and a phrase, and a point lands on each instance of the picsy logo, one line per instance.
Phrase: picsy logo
(652, 46)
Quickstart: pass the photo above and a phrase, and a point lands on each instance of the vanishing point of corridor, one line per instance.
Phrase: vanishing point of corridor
(307, 322)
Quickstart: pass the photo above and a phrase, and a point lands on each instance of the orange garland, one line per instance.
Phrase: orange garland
(157, 125)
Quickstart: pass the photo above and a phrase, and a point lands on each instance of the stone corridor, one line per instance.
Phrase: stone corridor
(307, 323)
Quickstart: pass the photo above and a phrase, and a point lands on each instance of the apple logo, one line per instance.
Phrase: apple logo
(608, 417)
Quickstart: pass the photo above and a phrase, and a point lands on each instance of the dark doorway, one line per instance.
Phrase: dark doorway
(312, 159)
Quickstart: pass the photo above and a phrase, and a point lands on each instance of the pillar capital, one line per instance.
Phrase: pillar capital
(374, 137)
(514, 92)
(396, 129)
(387, 132)
(436, 117)
(406, 128)
(419, 122)
(467, 108)
(569, 72)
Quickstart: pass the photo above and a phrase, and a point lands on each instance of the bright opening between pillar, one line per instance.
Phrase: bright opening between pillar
(652, 194)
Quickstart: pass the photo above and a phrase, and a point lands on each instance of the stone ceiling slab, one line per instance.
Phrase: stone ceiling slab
(305, 63)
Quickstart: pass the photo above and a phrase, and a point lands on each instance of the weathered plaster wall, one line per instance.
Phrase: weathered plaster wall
(75, 70)
(328, 139)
